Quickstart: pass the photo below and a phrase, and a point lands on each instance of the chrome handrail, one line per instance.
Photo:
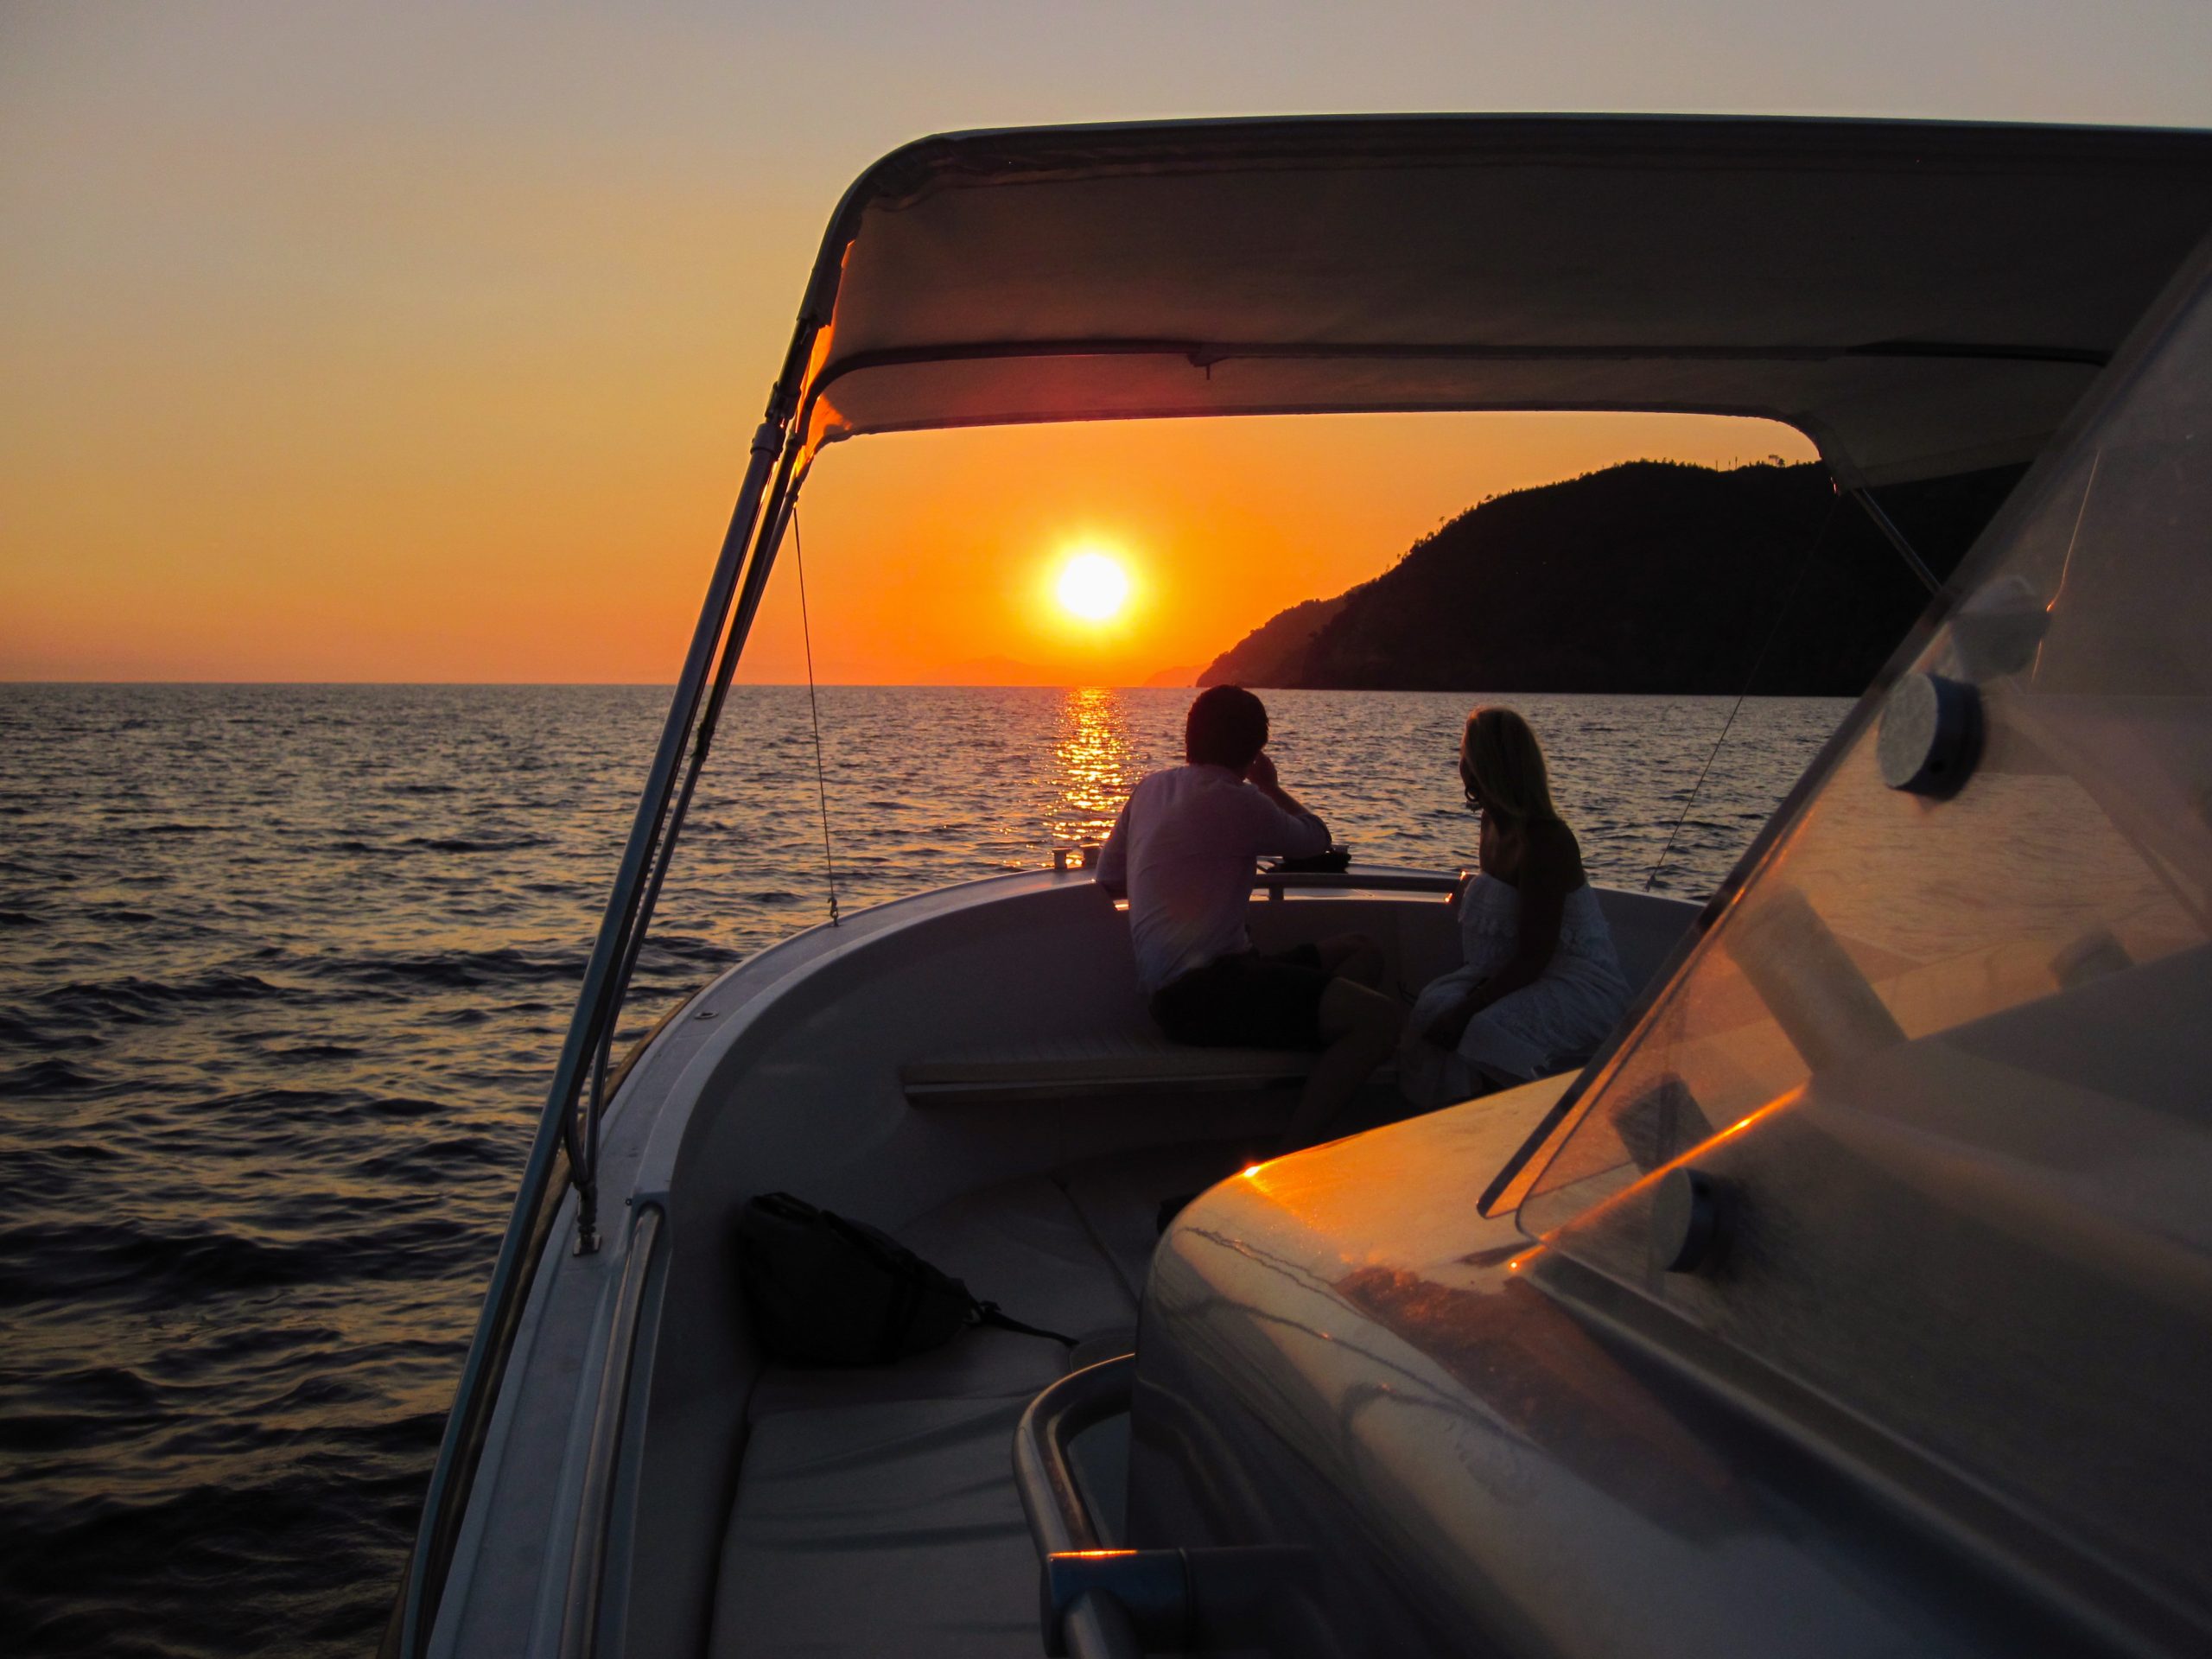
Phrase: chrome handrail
(1277, 882)
(587, 1554)
(1094, 1625)
(1103, 1601)
(1050, 1499)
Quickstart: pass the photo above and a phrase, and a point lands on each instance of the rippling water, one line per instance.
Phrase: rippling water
(283, 970)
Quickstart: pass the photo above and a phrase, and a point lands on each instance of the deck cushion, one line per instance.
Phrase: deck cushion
(1119, 1198)
(889, 1528)
(1023, 1245)
(978, 1364)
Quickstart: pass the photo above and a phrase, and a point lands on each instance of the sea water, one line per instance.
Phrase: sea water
(283, 970)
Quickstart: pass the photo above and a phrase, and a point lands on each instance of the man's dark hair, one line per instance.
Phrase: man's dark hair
(1227, 727)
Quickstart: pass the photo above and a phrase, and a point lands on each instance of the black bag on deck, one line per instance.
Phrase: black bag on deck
(826, 1290)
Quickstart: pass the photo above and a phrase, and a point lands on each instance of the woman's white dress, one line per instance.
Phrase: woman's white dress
(1540, 1029)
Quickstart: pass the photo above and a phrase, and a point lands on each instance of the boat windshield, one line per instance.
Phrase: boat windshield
(2080, 846)
(1939, 1066)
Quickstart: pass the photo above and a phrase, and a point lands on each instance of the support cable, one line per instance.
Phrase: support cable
(1750, 678)
(814, 714)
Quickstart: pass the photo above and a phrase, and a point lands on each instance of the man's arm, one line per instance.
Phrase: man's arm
(1290, 829)
(1113, 871)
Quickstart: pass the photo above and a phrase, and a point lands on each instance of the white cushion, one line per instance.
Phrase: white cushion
(891, 1528)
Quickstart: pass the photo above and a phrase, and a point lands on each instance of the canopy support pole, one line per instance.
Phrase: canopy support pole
(782, 498)
(446, 1499)
(1896, 538)
(592, 1026)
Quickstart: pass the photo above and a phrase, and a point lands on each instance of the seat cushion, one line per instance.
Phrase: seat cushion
(885, 1528)
(1119, 1198)
(1023, 1245)
(980, 1364)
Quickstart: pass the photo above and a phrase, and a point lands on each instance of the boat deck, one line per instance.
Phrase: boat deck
(875, 1511)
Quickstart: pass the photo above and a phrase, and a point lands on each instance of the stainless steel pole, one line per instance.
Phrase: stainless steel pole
(775, 518)
(588, 1026)
(1896, 538)
(481, 1372)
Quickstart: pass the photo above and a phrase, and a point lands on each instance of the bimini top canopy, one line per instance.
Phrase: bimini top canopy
(1919, 298)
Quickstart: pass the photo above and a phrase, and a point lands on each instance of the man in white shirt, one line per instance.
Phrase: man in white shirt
(1182, 851)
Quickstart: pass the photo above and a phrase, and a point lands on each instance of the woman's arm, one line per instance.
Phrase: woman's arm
(1551, 867)
(1544, 907)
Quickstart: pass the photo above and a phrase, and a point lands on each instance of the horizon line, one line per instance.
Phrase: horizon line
(901, 685)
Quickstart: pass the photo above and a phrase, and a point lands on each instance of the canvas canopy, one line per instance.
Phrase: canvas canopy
(1919, 298)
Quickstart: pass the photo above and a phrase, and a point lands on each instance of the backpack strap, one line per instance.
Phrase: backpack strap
(988, 1313)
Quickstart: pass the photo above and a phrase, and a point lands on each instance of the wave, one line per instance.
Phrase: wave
(85, 1404)
(312, 1105)
(454, 969)
(475, 843)
(48, 1077)
(308, 1053)
(21, 1033)
(70, 1260)
(300, 1563)
(439, 1158)
(131, 1000)
(686, 949)
(155, 1268)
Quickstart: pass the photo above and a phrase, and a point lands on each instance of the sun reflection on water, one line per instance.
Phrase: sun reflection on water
(1095, 761)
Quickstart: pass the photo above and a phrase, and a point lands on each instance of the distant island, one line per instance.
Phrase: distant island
(1651, 576)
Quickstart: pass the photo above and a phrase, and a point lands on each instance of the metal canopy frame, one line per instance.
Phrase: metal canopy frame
(566, 1143)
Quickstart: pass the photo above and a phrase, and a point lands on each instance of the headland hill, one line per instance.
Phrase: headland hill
(1651, 576)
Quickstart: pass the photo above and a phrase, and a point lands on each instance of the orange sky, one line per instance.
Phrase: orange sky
(930, 556)
(424, 342)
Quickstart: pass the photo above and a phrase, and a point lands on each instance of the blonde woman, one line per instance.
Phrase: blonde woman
(1540, 985)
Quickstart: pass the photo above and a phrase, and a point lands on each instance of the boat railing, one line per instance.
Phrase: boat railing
(1102, 1600)
(584, 1613)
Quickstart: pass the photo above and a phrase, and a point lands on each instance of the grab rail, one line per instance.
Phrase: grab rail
(588, 1555)
(1094, 1624)
(1275, 883)
(1102, 1602)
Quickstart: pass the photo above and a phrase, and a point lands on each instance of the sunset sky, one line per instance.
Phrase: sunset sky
(398, 342)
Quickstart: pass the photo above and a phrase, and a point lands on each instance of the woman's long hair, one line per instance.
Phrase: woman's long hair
(1502, 766)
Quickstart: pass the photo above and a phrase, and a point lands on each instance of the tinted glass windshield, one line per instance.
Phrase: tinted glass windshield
(1943, 1063)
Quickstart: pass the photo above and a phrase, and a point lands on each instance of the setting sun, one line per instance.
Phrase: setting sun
(1093, 587)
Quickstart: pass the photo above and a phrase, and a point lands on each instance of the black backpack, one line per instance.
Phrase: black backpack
(825, 1290)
